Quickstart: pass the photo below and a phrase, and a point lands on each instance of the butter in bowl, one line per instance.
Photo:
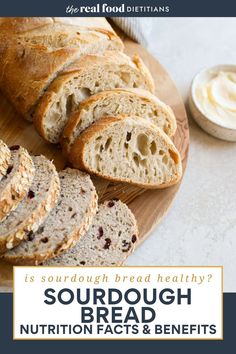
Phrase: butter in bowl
(212, 101)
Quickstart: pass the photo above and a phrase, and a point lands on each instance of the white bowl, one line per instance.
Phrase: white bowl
(205, 121)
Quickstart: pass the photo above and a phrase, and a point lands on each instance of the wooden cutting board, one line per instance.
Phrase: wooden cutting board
(148, 206)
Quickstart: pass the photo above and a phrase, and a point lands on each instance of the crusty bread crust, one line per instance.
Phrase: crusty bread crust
(35, 219)
(67, 137)
(18, 185)
(37, 49)
(5, 156)
(77, 152)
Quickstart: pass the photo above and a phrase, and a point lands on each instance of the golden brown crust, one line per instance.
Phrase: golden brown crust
(15, 25)
(142, 67)
(36, 65)
(76, 155)
(36, 49)
(17, 188)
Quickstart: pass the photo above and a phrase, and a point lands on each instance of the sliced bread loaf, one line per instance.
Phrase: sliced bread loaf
(66, 223)
(128, 149)
(34, 50)
(16, 182)
(34, 208)
(5, 156)
(87, 76)
(109, 241)
(114, 102)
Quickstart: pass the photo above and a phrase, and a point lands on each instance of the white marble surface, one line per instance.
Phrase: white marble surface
(200, 228)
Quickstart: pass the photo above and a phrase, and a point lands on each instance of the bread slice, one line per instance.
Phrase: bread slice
(34, 208)
(5, 156)
(109, 241)
(115, 102)
(128, 149)
(87, 76)
(66, 223)
(16, 182)
(37, 49)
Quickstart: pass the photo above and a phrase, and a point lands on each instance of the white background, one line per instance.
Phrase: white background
(29, 306)
(200, 228)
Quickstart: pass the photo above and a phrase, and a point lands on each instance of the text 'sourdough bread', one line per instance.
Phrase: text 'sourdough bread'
(34, 208)
(5, 156)
(87, 76)
(66, 223)
(109, 241)
(33, 50)
(15, 184)
(115, 102)
(128, 149)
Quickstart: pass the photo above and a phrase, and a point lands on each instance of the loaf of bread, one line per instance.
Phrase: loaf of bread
(15, 184)
(66, 223)
(109, 241)
(128, 149)
(33, 50)
(5, 156)
(115, 102)
(34, 208)
(87, 76)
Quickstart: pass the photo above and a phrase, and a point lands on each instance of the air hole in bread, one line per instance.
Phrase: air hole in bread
(136, 159)
(125, 77)
(70, 209)
(165, 159)
(69, 104)
(101, 148)
(155, 113)
(142, 142)
(44, 240)
(153, 147)
(128, 136)
(108, 143)
(135, 85)
(126, 146)
(143, 163)
(85, 92)
(161, 152)
(174, 156)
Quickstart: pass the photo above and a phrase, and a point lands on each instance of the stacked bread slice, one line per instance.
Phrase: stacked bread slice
(50, 215)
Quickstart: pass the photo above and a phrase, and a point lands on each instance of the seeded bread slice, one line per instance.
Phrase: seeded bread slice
(109, 241)
(66, 223)
(34, 208)
(114, 102)
(87, 76)
(128, 149)
(5, 155)
(16, 183)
